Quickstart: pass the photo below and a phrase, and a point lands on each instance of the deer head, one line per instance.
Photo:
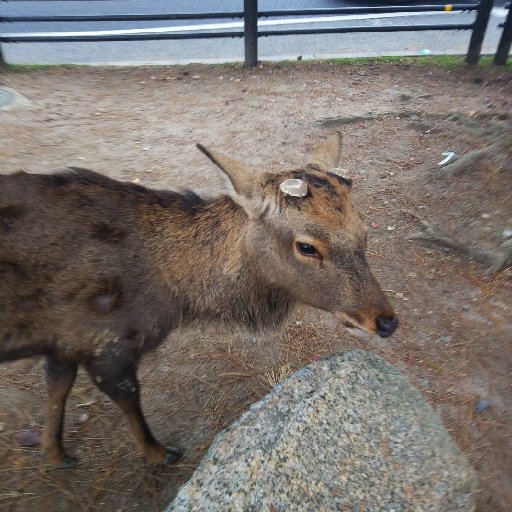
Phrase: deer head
(305, 237)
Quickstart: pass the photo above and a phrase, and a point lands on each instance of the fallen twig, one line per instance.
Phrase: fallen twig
(15, 494)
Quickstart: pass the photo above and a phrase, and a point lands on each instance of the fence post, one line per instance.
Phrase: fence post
(251, 32)
(500, 59)
(479, 28)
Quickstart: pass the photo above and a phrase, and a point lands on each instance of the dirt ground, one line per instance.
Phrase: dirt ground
(142, 124)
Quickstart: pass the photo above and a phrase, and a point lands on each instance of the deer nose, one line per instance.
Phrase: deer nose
(386, 325)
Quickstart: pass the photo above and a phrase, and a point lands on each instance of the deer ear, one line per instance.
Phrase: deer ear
(327, 154)
(243, 177)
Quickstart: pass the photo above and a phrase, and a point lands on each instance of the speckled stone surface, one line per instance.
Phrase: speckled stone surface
(348, 433)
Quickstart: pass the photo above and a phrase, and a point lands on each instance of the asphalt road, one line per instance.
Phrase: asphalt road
(224, 50)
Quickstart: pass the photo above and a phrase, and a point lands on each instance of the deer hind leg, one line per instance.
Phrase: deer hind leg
(123, 388)
(60, 375)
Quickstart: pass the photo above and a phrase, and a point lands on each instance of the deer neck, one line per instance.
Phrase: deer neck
(210, 269)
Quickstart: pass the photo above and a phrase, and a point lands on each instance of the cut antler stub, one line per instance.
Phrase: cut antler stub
(294, 188)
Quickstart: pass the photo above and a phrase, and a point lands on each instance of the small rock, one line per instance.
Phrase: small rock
(481, 405)
(374, 225)
(443, 339)
(83, 418)
(28, 438)
(485, 215)
(391, 228)
(145, 148)
(136, 180)
(2, 427)
(399, 295)
(196, 77)
(425, 384)
(507, 233)
(361, 73)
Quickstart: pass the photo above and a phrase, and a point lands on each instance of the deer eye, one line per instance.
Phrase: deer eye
(307, 250)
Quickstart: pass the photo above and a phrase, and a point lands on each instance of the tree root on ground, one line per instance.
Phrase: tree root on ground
(478, 117)
(499, 151)
(465, 162)
(495, 261)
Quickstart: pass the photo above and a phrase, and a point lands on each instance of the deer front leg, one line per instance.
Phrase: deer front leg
(60, 375)
(123, 388)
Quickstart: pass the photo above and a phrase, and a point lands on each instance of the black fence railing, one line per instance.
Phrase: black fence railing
(503, 50)
(251, 33)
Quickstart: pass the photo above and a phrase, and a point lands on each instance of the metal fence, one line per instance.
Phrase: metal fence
(251, 33)
(506, 39)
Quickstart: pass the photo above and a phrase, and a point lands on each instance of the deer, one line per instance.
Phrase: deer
(95, 272)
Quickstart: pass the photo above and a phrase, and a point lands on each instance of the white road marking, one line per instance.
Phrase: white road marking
(234, 25)
(496, 12)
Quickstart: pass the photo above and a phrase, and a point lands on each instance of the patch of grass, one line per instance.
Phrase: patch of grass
(453, 61)
(445, 61)
(28, 68)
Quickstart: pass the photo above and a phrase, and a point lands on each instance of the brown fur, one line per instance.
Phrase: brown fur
(97, 272)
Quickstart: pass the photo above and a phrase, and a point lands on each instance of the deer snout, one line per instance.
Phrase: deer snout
(386, 325)
(375, 319)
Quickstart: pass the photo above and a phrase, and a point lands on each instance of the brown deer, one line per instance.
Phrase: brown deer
(97, 272)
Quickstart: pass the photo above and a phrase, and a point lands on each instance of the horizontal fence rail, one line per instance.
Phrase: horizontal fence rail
(261, 14)
(250, 31)
(156, 36)
(121, 17)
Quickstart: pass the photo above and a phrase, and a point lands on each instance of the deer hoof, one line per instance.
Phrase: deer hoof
(66, 463)
(173, 455)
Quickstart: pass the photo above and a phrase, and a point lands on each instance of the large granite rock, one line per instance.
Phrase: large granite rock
(348, 433)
